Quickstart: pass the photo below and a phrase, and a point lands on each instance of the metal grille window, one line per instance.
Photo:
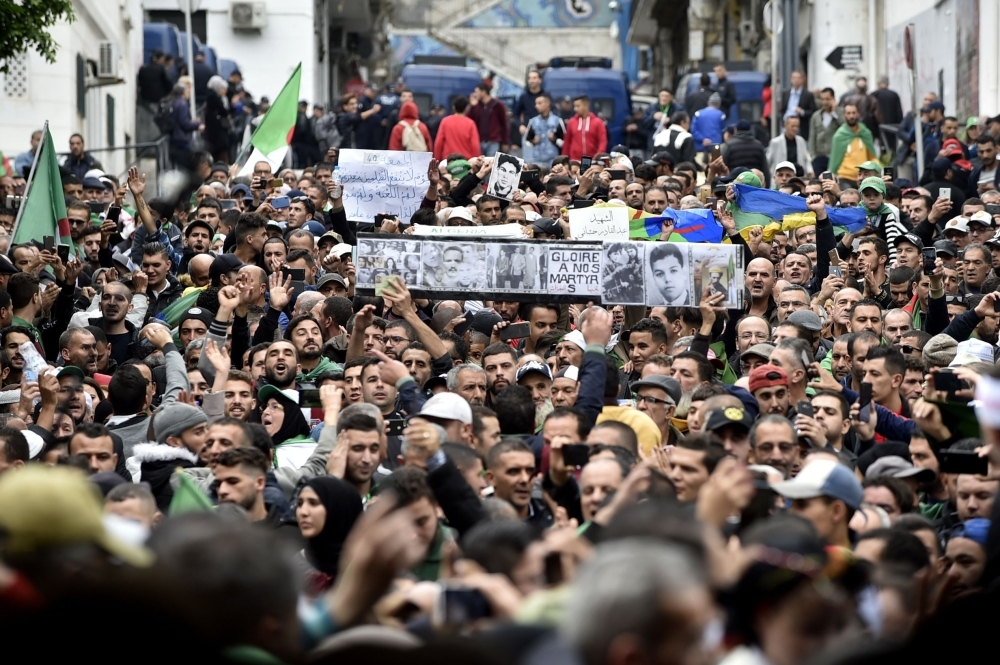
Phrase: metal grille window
(15, 82)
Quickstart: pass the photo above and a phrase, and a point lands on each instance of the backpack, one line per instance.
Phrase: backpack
(413, 140)
(164, 117)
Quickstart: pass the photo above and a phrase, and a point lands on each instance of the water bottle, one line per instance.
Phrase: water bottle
(336, 189)
(34, 363)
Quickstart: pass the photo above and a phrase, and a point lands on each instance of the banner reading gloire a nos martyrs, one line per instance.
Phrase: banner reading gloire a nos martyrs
(612, 273)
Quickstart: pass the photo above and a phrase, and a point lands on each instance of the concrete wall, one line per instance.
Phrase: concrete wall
(51, 88)
(935, 54)
(545, 43)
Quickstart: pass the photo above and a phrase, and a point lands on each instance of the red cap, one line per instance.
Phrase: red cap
(765, 376)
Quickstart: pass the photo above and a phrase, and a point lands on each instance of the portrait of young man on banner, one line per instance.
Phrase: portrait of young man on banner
(454, 266)
(669, 276)
(504, 177)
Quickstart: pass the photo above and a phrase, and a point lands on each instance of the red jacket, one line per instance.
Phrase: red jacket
(584, 136)
(491, 121)
(457, 134)
(409, 113)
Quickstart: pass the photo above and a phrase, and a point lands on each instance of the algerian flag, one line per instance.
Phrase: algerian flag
(43, 212)
(188, 497)
(274, 133)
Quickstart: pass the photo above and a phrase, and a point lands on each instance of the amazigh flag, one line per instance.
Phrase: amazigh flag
(644, 225)
(274, 133)
(43, 212)
(188, 497)
(754, 204)
(694, 225)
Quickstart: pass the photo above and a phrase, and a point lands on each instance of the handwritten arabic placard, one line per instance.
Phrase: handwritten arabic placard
(386, 181)
(605, 223)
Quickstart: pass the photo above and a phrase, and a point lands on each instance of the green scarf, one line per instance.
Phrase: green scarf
(842, 138)
(325, 365)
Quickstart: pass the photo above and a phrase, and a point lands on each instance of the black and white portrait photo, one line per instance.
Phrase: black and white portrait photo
(621, 273)
(669, 275)
(504, 177)
(451, 266)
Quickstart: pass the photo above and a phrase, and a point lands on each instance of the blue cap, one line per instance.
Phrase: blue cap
(295, 193)
(823, 477)
(533, 366)
(236, 189)
(976, 529)
(933, 106)
(314, 228)
(92, 183)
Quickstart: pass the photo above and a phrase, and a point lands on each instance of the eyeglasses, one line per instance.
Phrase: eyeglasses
(396, 339)
(76, 222)
(754, 335)
(906, 348)
(639, 399)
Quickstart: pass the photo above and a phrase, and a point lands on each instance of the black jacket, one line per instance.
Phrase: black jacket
(165, 299)
(742, 149)
(808, 105)
(461, 506)
(698, 100)
(154, 83)
(156, 464)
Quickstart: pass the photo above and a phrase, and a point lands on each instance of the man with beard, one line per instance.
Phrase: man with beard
(281, 364)
(634, 195)
(851, 146)
(78, 347)
(500, 365)
(773, 442)
(304, 332)
(537, 378)
(80, 223)
(116, 303)
(239, 398)
(769, 386)
(469, 382)
(759, 280)
(197, 240)
(839, 358)
(90, 243)
(508, 310)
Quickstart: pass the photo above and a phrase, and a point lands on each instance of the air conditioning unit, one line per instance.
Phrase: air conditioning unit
(107, 60)
(248, 15)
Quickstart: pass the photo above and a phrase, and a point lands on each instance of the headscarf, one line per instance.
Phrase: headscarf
(343, 507)
(294, 424)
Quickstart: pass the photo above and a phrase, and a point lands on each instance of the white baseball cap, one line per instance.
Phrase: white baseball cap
(448, 406)
(784, 165)
(461, 212)
(960, 224)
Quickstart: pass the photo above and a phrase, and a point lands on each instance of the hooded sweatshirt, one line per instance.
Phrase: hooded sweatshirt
(325, 365)
(409, 115)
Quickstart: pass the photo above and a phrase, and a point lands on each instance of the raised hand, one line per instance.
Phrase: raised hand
(140, 281)
(136, 182)
(597, 325)
(229, 297)
(218, 356)
(157, 334)
(281, 293)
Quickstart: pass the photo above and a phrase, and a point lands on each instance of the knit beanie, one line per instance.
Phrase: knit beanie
(174, 418)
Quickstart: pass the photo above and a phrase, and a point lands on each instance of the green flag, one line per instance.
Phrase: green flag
(273, 135)
(188, 498)
(43, 212)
